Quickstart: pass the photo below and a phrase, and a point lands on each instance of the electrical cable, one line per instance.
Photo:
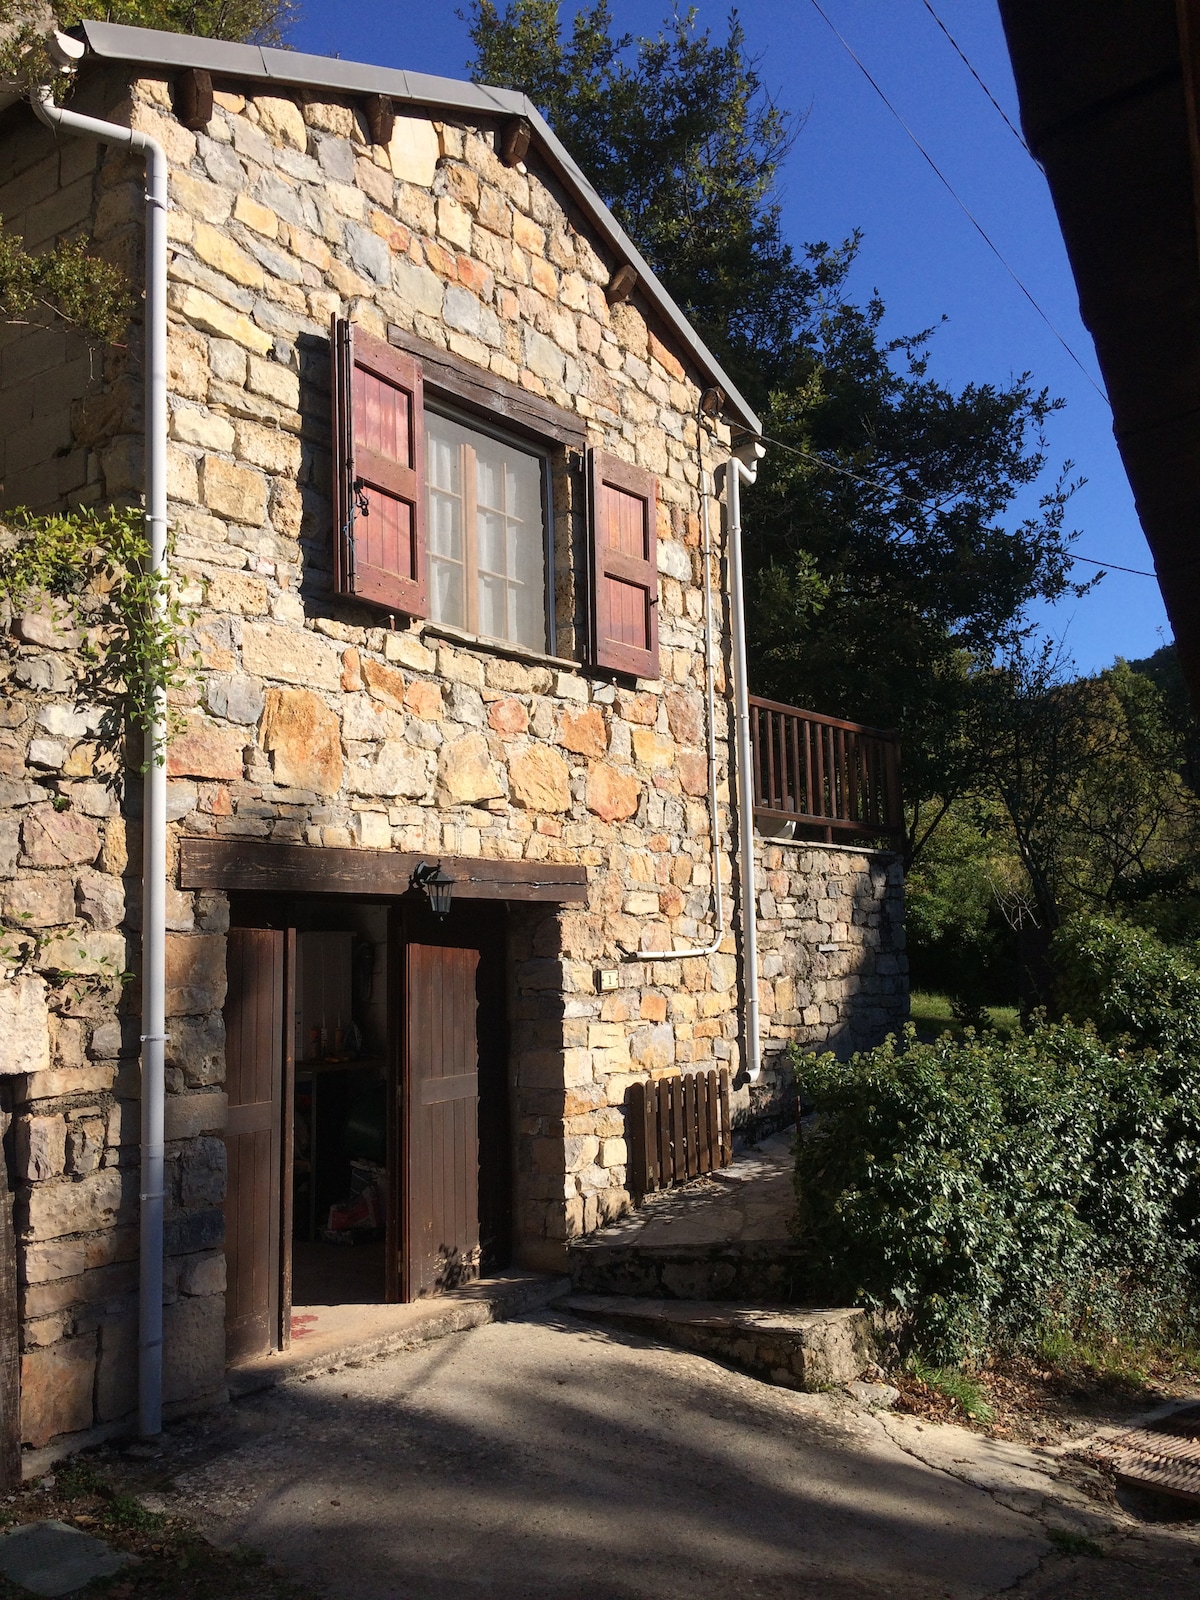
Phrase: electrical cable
(936, 505)
(967, 212)
(963, 57)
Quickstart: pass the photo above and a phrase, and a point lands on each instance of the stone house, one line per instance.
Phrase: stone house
(443, 473)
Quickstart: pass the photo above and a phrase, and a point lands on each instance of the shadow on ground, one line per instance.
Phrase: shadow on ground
(539, 1459)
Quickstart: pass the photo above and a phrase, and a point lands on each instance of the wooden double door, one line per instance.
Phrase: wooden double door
(448, 1202)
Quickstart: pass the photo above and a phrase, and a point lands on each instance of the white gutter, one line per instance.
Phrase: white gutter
(711, 711)
(154, 807)
(743, 467)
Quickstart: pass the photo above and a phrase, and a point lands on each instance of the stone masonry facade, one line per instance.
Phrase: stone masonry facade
(833, 973)
(304, 719)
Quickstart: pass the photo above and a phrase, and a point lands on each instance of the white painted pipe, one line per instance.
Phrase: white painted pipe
(743, 467)
(154, 808)
(711, 729)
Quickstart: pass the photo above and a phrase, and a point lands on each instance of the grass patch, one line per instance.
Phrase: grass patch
(1074, 1544)
(174, 1562)
(1121, 1363)
(933, 1016)
(955, 1385)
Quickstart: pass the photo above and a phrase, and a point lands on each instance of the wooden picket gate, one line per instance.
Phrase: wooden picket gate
(679, 1128)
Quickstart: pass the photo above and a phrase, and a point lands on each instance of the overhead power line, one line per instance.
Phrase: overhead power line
(959, 201)
(928, 505)
(966, 61)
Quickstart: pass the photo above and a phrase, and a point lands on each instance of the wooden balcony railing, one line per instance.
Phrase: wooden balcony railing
(822, 773)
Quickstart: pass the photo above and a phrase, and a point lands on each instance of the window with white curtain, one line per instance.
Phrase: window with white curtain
(486, 531)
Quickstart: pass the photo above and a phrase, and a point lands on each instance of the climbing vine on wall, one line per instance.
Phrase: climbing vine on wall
(96, 563)
(65, 284)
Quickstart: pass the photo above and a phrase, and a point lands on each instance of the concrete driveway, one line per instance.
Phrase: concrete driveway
(539, 1458)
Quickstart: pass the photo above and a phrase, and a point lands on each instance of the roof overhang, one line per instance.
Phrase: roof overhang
(1108, 106)
(167, 52)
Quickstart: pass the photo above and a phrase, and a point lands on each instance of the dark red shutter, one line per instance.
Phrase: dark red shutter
(624, 508)
(379, 472)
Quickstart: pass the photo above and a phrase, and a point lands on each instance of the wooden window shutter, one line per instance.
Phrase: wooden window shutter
(624, 529)
(379, 472)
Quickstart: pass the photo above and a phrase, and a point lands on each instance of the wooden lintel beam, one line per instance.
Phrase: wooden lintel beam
(381, 117)
(193, 98)
(621, 285)
(245, 865)
(515, 138)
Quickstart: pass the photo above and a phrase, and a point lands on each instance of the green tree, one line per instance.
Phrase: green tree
(882, 556)
(68, 283)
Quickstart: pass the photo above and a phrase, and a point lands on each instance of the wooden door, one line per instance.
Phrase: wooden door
(441, 1120)
(258, 1140)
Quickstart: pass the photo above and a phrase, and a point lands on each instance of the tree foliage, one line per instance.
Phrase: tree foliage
(1007, 1193)
(95, 562)
(882, 551)
(65, 284)
(26, 62)
(1090, 773)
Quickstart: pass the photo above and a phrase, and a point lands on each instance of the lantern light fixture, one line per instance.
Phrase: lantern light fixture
(437, 884)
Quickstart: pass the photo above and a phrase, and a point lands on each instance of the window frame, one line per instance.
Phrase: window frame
(452, 410)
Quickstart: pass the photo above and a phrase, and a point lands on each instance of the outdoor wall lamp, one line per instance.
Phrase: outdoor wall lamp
(437, 884)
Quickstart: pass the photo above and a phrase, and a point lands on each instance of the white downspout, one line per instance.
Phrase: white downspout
(743, 466)
(154, 809)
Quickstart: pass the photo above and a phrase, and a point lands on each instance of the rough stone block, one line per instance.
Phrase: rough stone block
(41, 1147)
(290, 655)
(229, 490)
(205, 749)
(193, 1348)
(303, 737)
(465, 770)
(611, 795)
(116, 1374)
(414, 150)
(539, 779)
(24, 1026)
(56, 1390)
(583, 733)
(195, 973)
(85, 1205)
(59, 838)
(186, 1116)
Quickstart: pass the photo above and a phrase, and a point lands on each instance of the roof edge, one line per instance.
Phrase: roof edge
(114, 41)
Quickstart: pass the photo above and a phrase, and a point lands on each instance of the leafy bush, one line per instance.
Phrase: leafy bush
(1128, 983)
(1002, 1192)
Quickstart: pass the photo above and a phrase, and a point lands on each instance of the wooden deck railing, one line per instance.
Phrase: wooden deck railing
(820, 772)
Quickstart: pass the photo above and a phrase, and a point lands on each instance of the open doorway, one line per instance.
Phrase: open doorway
(368, 1133)
(340, 1175)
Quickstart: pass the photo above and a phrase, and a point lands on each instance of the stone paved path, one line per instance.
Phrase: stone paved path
(542, 1460)
(751, 1201)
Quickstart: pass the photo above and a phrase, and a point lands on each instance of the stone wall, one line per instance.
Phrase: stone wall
(833, 973)
(68, 1058)
(304, 720)
(47, 193)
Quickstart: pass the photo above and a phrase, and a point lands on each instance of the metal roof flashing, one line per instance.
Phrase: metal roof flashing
(150, 47)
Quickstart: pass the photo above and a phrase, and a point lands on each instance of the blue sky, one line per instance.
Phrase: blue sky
(853, 166)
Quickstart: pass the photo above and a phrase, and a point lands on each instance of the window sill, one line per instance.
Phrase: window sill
(498, 647)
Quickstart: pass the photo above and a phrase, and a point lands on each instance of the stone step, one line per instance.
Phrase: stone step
(326, 1337)
(790, 1346)
(762, 1271)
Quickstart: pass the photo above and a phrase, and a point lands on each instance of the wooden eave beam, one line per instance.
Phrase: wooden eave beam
(248, 865)
(193, 98)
